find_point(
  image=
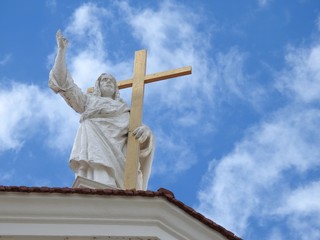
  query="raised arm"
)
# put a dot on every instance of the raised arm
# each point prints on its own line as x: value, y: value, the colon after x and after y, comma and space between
x: 60, y: 67
x: 60, y: 81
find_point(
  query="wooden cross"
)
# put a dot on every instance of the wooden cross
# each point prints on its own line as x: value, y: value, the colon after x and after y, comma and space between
x: 137, y: 83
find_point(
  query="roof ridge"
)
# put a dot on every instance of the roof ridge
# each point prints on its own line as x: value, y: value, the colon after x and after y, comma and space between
x: 161, y: 192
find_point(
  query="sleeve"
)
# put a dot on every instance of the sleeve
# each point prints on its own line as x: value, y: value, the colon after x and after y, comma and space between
x: 146, y: 159
x: 71, y: 93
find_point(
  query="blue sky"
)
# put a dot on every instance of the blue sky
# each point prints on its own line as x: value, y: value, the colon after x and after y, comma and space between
x: 238, y: 140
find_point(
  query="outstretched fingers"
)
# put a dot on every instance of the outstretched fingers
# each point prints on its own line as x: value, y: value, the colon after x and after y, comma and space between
x: 61, y: 41
x: 59, y: 34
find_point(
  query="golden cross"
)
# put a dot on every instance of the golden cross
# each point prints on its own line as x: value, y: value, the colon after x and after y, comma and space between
x: 137, y: 83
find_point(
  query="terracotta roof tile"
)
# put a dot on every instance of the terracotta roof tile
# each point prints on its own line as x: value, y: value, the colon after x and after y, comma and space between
x: 162, y: 192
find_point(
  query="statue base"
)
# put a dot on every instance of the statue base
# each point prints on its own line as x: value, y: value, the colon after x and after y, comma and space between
x: 82, y: 182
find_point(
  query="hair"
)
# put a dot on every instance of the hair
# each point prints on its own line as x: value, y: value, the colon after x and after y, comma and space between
x: 97, y: 91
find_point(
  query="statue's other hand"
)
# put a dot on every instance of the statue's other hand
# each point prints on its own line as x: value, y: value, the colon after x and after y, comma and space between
x: 62, y: 42
x: 142, y: 133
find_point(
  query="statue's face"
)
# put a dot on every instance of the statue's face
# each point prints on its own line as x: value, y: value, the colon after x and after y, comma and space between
x: 107, y: 87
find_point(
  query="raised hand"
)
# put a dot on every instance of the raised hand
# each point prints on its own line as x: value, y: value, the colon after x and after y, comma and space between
x: 142, y: 133
x: 61, y: 41
x: 60, y: 67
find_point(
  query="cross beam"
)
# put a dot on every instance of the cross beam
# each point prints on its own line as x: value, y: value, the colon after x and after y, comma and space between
x: 178, y: 72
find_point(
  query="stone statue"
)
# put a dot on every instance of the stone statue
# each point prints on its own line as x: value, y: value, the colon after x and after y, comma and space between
x: 99, y: 149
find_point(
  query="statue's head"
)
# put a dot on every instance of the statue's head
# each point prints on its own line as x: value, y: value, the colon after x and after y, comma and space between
x: 106, y: 77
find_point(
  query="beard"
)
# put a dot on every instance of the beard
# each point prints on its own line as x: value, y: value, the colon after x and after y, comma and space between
x: 107, y: 91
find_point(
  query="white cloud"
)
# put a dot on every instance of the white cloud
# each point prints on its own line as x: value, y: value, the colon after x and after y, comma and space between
x: 304, y: 200
x: 87, y: 59
x: 88, y: 56
x: 252, y: 174
x: 61, y: 120
x: 15, y: 105
x: 234, y: 82
x: 302, y: 209
x: 172, y: 46
x: 169, y: 145
x: 262, y: 178
x: 26, y: 107
x: 230, y: 67
x: 301, y: 78
x: 171, y: 35
x: 86, y: 21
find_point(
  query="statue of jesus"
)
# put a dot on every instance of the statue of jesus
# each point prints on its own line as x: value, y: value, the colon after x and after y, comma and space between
x: 99, y: 149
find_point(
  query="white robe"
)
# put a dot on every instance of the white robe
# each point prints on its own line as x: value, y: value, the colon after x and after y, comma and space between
x: 101, y: 138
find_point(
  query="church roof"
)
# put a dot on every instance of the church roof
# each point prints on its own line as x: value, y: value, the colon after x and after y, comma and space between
x: 164, y: 193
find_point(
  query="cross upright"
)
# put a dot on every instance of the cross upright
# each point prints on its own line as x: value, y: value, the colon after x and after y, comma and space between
x: 137, y: 83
